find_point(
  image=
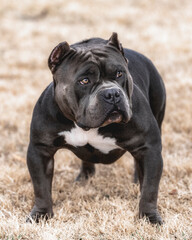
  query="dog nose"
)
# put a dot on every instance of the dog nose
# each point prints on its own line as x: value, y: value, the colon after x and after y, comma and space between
x: 112, y: 95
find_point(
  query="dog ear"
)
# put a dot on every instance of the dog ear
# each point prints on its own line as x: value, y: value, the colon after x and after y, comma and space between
x: 114, y: 41
x: 57, y: 55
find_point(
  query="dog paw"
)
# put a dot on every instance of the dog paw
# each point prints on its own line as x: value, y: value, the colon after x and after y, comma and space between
x: 152, y: 217
x: 85, y: 175
x: 82, y: 177
x: 38, y: 214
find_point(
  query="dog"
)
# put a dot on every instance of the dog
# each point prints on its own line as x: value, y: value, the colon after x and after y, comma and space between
x: 104, y: 100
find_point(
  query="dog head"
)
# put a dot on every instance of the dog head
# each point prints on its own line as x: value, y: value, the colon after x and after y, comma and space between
x: 92, y: 83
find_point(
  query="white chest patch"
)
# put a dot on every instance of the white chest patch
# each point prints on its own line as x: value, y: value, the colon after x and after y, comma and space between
x: 77, y: 137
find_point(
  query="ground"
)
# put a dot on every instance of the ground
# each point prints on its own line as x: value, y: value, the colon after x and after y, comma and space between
x: 106, y: 207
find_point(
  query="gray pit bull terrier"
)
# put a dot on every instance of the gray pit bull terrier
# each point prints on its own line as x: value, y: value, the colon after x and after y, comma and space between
x: 104, y: 100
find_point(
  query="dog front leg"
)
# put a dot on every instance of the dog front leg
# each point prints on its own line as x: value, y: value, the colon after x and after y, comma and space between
x: 150, y: 165
x: 41, y: 165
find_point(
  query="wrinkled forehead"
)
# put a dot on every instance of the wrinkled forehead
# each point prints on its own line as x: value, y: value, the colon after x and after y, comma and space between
x: 91, y: 59
x: 107, y: 53
x: 100, y: 57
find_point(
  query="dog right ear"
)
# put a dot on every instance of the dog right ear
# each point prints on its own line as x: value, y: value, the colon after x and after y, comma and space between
x: 57, y: 55
x: 114, y: 41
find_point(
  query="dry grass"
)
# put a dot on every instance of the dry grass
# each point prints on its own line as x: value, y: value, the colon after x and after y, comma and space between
x: 106, y: 208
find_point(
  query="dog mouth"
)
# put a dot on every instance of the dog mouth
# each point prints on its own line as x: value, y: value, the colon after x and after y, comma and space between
x: 113, y: 117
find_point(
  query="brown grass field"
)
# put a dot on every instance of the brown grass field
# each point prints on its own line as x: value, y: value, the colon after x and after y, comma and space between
x: 106, y: 208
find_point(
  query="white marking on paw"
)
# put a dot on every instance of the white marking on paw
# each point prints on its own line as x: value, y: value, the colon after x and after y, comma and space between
x: 77, y: 137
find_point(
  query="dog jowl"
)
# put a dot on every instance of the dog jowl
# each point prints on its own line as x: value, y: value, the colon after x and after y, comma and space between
x: 104, y: 100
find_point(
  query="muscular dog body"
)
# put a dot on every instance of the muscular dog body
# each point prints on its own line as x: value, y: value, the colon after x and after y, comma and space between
x: 104, y: 101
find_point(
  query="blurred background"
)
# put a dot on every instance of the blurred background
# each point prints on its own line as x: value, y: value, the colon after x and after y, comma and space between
x: 29, y: 30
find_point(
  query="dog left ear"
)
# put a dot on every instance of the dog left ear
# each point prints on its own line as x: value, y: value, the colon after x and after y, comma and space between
x: 114, y: 41
x: 57, y: 55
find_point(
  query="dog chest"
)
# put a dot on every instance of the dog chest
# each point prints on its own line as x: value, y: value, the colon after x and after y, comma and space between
x: 77, y: 137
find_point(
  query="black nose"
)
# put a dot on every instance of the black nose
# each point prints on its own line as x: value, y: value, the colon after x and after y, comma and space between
x: 112, y: 95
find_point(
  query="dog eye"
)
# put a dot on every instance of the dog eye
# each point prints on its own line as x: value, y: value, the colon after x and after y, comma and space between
x: 84, y: 81
x: 119, y: 74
